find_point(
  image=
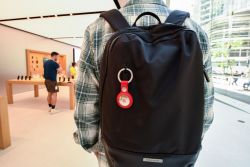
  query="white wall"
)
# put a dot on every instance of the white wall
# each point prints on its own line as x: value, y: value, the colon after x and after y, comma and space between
x: 13, y: 58
x: 168, y: 3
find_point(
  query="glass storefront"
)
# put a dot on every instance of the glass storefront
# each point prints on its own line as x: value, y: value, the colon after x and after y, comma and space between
x: 227, y: 23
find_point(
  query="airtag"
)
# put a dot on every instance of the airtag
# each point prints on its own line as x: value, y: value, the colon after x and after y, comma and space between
x: 124, y: 98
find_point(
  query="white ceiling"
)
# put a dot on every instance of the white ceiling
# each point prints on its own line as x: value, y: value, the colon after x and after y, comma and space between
x: 24, y: 8
x: 55, y: 27
x: 60, y: 28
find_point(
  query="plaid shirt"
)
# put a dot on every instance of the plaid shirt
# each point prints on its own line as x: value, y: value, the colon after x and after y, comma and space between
x: 87, y: 114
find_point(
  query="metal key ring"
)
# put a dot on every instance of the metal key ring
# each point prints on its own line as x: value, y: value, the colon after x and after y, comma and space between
x: 125, y: 69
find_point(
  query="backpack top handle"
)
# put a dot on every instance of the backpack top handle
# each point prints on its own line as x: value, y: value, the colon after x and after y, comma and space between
x: 147, y: 13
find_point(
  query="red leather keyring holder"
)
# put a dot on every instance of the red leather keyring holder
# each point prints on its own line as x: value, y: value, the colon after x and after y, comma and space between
x: 124, y: 99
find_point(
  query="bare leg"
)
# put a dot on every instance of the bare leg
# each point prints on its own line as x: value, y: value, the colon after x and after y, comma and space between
x: 53, y: 99
x: 49, y: 97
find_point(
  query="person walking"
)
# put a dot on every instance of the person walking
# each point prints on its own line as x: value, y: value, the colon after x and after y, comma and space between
x: 88, y: 115
x: 51, y: 69
x: 236, y: 78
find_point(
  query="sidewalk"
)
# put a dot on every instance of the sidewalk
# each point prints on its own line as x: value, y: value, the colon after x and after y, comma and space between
x: 226, y: 144
x: 245, y: 107
x: 233, y: 91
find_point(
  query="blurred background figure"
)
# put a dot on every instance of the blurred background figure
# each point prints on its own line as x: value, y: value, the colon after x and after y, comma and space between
x: 73, y: 70
x: 51, y: 69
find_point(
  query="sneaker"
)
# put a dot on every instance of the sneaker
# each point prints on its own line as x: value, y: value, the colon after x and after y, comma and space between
x: 49, y: 109
x: 54, y: 111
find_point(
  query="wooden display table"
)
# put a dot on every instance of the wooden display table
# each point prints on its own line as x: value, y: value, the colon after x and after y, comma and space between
x: 36, y: 84
x: 4, y: 124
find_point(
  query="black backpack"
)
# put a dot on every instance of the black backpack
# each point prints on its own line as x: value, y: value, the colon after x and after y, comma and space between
x: 151, y: 93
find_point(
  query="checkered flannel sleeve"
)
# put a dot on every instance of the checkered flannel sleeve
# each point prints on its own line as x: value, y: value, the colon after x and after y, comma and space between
x: 209, y: 88
x: 87, y: 116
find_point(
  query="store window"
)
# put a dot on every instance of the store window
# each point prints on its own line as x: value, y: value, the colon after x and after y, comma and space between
x: 227, y: 23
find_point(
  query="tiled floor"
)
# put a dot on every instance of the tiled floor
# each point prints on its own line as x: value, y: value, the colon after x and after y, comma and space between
x: 43, y: 140
x: 40, y: 139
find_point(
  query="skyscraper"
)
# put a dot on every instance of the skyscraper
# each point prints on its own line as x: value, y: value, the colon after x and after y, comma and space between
x: 227, y: 23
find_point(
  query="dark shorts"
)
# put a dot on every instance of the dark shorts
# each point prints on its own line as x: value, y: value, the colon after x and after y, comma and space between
x: 51, y: 86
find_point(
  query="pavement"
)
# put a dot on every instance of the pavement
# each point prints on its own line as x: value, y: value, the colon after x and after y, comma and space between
x: 239, y: 105
x: 227, y: 143
x: 226, y: 88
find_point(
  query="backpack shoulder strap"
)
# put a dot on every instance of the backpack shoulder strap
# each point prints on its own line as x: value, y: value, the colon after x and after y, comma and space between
x: 115, y: 19
x: 177, y: 17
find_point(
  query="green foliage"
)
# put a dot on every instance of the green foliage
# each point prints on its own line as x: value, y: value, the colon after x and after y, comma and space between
x: 222, y: 50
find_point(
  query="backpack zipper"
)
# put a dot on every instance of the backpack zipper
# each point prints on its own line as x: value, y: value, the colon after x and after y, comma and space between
x: 205, y: 74
x: 116, y: 36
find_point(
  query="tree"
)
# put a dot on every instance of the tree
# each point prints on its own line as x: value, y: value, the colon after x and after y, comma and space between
x: 222, y: 50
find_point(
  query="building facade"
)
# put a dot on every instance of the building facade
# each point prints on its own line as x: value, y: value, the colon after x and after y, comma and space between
x: 228, y: 25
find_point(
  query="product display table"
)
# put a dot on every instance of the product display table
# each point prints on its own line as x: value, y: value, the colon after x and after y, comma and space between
x: 36, y: 84
x: 4, y: 124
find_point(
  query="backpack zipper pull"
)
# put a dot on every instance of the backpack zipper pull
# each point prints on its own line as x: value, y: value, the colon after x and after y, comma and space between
x: 205, y: 74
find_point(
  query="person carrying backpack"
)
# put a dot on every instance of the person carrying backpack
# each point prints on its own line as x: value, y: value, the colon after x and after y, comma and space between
x: 144, y: 93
